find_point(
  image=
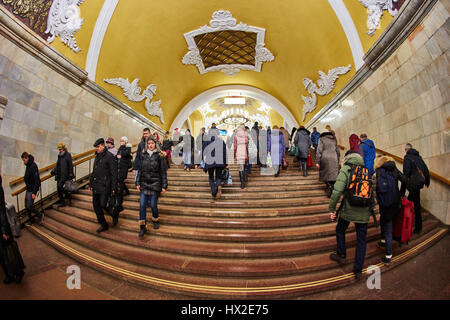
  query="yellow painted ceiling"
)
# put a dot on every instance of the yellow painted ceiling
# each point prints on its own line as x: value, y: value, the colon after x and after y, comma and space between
x: 145, y: 39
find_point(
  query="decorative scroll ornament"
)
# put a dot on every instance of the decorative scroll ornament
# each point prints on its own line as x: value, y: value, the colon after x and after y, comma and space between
x: 375, y: 9
x: 63, y: 21
x: 133, y: 92
x: 222, y: 20
x: 326, y: 85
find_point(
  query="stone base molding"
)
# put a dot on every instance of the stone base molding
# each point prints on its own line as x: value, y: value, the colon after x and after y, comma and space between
x: 3, y: 102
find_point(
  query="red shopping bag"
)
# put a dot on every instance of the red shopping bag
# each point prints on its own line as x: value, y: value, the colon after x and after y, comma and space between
x: 310, y: 161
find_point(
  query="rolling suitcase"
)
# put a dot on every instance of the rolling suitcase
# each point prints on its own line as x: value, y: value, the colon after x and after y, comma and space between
x: 12, y: 220
x: 403, y: 225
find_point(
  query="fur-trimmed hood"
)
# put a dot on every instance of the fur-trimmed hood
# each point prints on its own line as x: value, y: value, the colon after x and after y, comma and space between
x: 383, y: 161
x: 353, y: 158
x: 325, y: 134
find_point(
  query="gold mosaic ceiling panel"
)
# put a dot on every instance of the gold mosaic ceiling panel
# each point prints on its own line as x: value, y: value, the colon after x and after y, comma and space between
x: 227, y: 47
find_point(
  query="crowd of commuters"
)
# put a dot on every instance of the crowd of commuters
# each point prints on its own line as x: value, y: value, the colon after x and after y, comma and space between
x: 265, y: 147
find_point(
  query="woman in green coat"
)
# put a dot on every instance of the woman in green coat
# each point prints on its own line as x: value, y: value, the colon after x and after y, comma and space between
x: 358, y: 215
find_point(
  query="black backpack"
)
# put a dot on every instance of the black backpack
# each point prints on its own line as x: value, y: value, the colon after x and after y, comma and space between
x: 416, y: 180
x: 387, y: 188
x: 360, y: 188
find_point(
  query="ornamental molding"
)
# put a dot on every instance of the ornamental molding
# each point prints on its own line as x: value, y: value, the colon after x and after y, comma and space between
x: 223, y: 20
x: 325, y: 86
x: 64, y: 21
x: 375, y: 9
x: 133, y: 93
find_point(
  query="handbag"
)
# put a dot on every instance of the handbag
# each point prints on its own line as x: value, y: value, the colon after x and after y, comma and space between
x: 310, y: 161
x: 202, y: 164
x: 269, y: 161
x: 285, y: 164
x: 229, y: 181
x: 416, y: 180
x: 294, y: 151
x: 12, y: 258
x: 70, y: 186
x: 225, y: 174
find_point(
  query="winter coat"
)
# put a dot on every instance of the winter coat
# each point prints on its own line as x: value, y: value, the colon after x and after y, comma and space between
x: 367, y: 150
x: 285, y: 137
x: 64, y: 167
x: 152, y: 174
x: 210, y: 154
x: 240, y: 146
x: 303, y: 142
x: 124, y: 163
x: 176, y: 137
x: 104, y: 175
x: 411, y: 157
x: 327, y: 156
x: 198, y: 148
x: 354, y: 143
x: 275, y: 143
x: 137, y: 159
x: 387, y: 164
x: 4, y: 224
x: 349, y: 213
x: 315, y: 136
x: 186, y: 138
x: 31, y: 177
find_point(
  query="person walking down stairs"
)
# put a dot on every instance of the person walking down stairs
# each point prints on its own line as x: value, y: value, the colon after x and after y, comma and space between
x: 327, y: 160
x: 241, y: 153
x: 124, y: 158
x: 33, y: 184
x: 303, y: 142
x: 103, y: 182
x: 63, y: 172
x: 188, y: 149
x: 150, y: 182
x: 215, y: 155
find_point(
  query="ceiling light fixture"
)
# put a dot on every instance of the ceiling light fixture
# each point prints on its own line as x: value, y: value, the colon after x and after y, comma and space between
x: 234, y: 100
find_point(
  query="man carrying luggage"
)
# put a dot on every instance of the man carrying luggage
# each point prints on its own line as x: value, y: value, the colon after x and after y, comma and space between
x: 33, y: 184
x: 417, y: 175
x: 103, y: 182
x: 352, y: 211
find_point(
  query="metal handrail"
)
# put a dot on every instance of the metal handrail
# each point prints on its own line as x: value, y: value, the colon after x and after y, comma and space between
x: 86, y: 156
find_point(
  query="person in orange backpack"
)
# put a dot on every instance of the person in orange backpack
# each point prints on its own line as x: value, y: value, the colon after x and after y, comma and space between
x: 353, y: 209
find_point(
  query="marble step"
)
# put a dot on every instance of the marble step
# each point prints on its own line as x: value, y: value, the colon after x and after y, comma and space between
x: 320, y: 228
x: 126, y: 232
x: 277, y: 287
x: 194, y: 265
x: 209, y: 202
x: 230, y: 196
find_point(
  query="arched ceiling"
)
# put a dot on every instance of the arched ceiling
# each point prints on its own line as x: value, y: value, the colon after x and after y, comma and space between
x: 145, y: 40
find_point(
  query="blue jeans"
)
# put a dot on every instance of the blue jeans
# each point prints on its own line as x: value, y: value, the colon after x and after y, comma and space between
x: 386, y: 234
x: 249, y: 168
x: 187, y: 159
x: 361, y: 242
x: 148, y: 200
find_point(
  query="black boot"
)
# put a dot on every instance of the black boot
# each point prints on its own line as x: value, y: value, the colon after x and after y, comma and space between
x: 305, y: 168
x: 246, y: 175
x: 142, y: 231
x: 242, y: 178
x: 103, y: 227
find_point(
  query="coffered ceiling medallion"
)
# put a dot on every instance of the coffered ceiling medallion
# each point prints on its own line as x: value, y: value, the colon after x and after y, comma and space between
x: 226, y: 46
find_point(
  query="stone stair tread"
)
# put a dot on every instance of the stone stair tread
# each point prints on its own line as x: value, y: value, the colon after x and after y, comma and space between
x: 224, y: 267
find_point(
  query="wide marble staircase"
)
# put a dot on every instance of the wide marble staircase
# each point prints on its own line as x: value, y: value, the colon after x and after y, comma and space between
x: 270, y: 240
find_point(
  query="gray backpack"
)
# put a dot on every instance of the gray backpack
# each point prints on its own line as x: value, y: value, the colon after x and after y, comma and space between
x: 12, y: 219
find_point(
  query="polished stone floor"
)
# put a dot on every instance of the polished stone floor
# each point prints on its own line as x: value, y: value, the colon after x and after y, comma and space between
x: 426, y: 276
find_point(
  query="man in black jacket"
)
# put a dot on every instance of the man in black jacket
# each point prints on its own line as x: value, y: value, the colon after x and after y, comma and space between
x: 412, y: 162
x: 103, y: 182
x: 63, y: 172
x: 141, y: 146
x: 33, y: 184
